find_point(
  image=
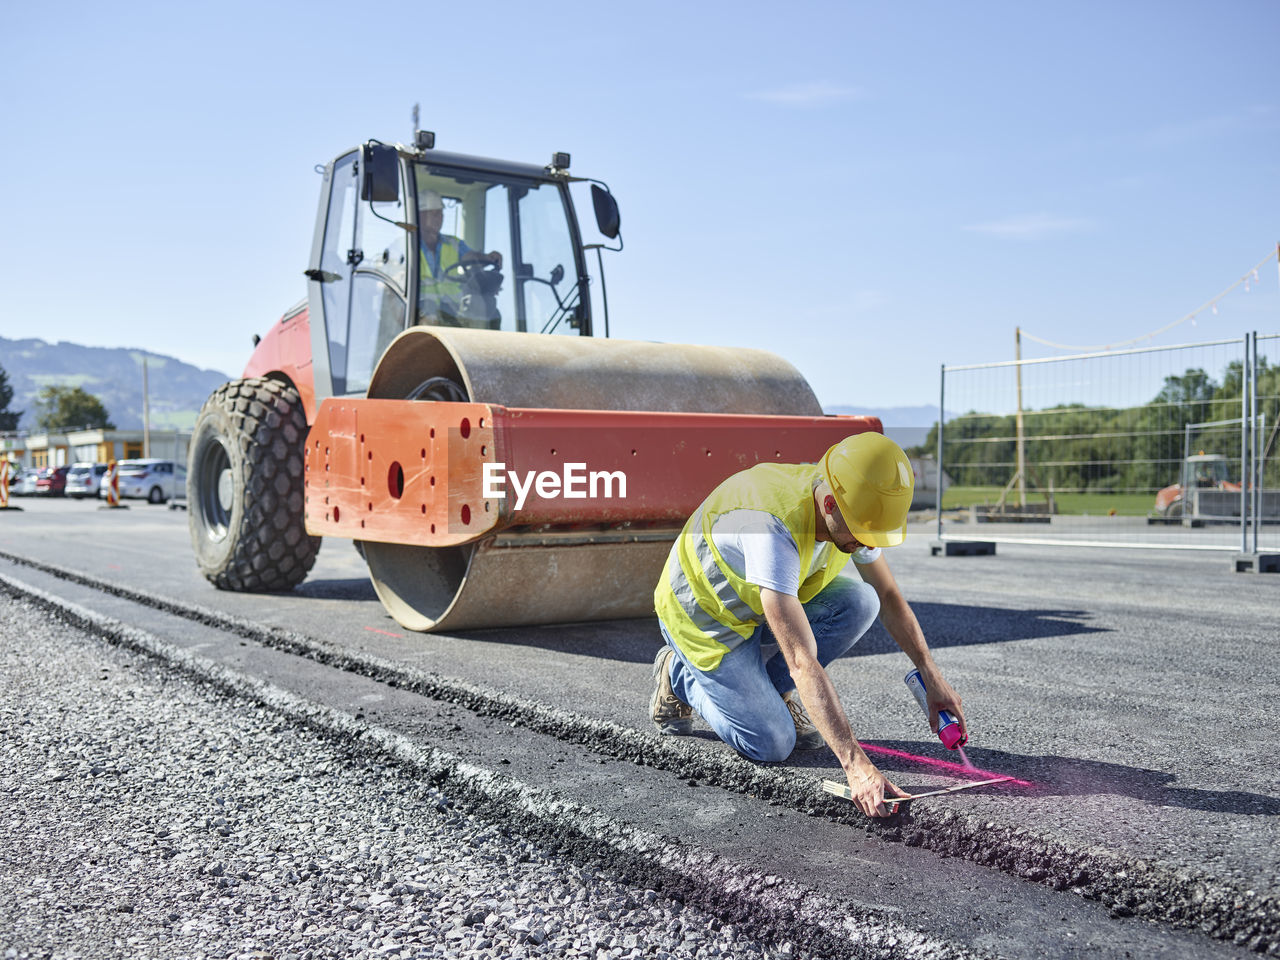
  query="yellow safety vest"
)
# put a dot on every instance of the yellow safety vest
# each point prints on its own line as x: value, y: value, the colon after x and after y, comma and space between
x: 707, y: 608
x: 437, y: 284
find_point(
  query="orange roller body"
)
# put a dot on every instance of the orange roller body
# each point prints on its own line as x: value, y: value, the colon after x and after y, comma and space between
x: 441, y: 474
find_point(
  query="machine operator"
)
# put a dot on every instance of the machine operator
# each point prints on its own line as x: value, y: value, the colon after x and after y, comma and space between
x: 757, y: 564
x: 440, y: 283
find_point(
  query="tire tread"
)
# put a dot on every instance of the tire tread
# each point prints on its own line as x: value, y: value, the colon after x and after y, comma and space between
x: 273, y: 551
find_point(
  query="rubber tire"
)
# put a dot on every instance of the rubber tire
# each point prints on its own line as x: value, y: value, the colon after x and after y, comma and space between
x: 155, y: 495
x: 254, y: 430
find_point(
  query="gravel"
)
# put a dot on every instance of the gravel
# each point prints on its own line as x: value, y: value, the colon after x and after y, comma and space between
x: 144, y: 815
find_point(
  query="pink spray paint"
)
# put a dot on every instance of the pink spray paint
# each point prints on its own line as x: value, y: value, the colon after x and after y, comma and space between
x: 948, y: 726
x: 942, y: 765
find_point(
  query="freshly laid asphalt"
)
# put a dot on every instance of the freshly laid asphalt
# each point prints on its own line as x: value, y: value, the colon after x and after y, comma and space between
x: 1132, y: 689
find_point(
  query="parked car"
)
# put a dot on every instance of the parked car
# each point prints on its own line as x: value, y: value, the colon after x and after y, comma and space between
x: 23, y: 483
x: 52, y: 481
x: 84, y: 479
x: 152, y: 480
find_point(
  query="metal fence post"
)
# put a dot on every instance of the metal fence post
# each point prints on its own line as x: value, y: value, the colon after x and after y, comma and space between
x: 942, y: 399
x: 1255, y: 473
x: 1244, y: 447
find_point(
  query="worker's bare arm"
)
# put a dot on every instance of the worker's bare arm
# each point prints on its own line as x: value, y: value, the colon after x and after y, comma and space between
x: 786, y: 618
x: 901, y: 623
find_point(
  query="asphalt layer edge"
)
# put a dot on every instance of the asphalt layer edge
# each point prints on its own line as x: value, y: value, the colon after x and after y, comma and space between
x: 770, y: 908
x: 1127, y: 886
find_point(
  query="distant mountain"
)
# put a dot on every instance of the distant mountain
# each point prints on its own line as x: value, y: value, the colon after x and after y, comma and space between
x: 924, y: 416
x: 906, y: 426
x: 112, y: 374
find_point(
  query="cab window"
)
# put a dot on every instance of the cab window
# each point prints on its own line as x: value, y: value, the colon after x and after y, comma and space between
x: 495, y: 253
x: 378, y: 301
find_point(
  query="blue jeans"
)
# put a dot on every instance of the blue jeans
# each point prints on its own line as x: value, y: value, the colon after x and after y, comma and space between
x: 741, y: 699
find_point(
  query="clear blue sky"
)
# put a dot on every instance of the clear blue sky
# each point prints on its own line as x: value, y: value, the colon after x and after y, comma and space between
x: 870, y: 190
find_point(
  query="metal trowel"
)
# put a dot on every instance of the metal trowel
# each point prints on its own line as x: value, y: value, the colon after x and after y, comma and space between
x: 842, y: 790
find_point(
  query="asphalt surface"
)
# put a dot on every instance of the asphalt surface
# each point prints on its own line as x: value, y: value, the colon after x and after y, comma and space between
x: 149, y: 816
x: 1129, y: 687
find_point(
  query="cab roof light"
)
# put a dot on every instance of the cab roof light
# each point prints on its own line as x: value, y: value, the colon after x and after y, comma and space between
x: 559, y: 161
x: 422, y: 139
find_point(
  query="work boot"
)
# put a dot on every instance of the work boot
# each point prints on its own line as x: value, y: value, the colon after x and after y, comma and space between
x: 807, y: 735
x: 671, y: 715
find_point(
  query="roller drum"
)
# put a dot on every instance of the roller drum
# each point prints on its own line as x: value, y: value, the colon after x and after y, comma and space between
x: 518, y: 579
x: 571, y: 373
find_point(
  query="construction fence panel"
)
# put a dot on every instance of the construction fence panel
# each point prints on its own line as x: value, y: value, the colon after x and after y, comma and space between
x: 1135, y: 448
x: 1265, y: 409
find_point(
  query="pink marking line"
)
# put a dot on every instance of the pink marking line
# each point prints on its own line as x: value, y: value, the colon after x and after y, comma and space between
x: 951, y: 767
x: 385, y: 633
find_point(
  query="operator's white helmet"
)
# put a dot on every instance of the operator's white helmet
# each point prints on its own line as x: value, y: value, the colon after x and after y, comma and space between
x: 430, y: 200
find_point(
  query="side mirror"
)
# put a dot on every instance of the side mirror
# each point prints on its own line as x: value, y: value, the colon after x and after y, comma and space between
x: 608, y: 220
x: 381, y: 180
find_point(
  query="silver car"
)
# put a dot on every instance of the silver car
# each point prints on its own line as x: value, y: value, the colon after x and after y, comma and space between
x: 84, y: 479
x: 152, y: 480
x: 24, y: 484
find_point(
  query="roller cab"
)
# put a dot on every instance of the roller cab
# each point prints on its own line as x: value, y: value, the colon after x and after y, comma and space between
x: 411, y: 237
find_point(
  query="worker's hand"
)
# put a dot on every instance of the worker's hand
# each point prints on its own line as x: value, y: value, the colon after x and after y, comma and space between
x: 868, y: 788
x: 495, y: 257
x: 940, y: 696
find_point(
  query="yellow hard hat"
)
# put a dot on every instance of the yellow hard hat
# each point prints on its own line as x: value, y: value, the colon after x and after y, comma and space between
x: 871, y: 479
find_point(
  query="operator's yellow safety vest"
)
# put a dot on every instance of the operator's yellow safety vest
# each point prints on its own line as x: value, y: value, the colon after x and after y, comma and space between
x: 437, y: 284
x: 707, y: 608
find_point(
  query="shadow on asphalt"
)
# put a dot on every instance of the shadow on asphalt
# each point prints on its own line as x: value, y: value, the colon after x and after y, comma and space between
x: 962, y: 625
x: 627, y: 641
x: 1065, y: 777
x: 945, y: 625
x: 355, y: 589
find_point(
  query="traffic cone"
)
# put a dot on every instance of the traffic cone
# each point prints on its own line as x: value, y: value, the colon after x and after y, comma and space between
x: 112, y: 480
x: 4, y: 487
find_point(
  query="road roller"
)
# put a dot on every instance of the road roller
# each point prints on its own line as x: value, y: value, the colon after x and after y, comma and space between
x: 439, y: 398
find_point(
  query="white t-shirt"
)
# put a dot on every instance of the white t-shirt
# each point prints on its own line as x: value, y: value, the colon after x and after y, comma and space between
x: 759, y: 548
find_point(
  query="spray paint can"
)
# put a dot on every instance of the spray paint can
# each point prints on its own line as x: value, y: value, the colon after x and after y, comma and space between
x: 948, y: 726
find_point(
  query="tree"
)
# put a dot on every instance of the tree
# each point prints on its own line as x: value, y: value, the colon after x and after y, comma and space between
x: 1159, y: 427
x: 1194, y: 386
x: 70, y: 408
x: 8, y: 418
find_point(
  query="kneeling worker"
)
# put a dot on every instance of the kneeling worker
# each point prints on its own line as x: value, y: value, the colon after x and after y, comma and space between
x: 757, y: 563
